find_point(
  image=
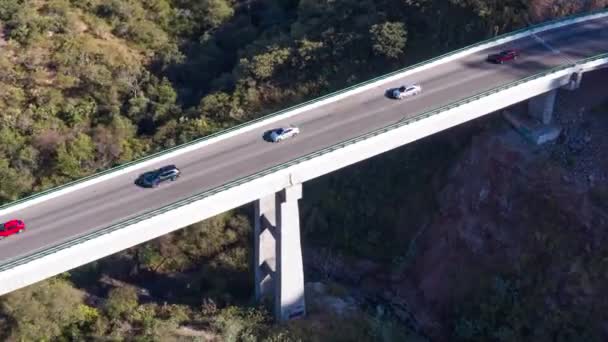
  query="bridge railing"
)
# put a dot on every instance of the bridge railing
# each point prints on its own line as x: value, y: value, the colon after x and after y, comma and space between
x: 283, y: 111
x: 39, y: 254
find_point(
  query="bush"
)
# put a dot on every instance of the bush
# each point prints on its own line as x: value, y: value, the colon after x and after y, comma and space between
x: 240, y: 324
x: 388, y: 39
x: 43, y: 311
x: 121, y: 303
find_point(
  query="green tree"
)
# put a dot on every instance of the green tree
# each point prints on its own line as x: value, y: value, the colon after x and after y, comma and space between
x: 237, y: 324
x: 77, y: 111
x: 14, y: 183
x: 262, y: 66
x: 217, y: 106
x: 25, y: 25
x: 121, y: 302
x: 75, y: 156
x: 8, y: 8
x: 195, y: 128
x: 11, y: 142
x: 163, y: 98
x: 388, y: 39
x: 309, y: 53
x: 43, y: 311
x: 216, y: 12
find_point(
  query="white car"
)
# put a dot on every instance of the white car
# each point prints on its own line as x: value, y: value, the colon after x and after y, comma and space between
x: 283, y: 133
x: 405, y: 91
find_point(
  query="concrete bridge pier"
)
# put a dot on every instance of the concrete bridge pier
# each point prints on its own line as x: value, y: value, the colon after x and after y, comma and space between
x: 541, y: 107
x: 279, y: 272
x: 575, y: 81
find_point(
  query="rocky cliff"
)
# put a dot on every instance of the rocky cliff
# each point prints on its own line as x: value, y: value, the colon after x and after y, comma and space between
x: 516, y: 248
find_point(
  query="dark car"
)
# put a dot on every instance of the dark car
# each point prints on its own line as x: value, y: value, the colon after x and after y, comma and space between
x: 504, y: 56
x: 154, y: 178
x: 11, y: 227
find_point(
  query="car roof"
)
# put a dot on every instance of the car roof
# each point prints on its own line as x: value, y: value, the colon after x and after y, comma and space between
x: 167, y: 168
x: 11, y: 223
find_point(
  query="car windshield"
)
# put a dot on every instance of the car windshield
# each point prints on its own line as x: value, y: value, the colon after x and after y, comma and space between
x: 150, y: 175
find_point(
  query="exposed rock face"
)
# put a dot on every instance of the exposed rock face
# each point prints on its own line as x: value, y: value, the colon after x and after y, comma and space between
x: 513, y: 208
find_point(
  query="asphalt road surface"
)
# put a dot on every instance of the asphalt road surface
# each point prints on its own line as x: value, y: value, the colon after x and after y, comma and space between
x: 115, y: 200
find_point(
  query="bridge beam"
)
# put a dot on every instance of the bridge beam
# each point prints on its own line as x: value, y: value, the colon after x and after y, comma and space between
x: 541, y: 106
x: 279, y: 272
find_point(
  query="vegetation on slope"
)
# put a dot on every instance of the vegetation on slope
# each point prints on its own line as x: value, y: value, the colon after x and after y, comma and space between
x: 91, y: 84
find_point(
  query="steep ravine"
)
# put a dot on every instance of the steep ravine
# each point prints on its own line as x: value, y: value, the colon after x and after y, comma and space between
x: 515, y: 234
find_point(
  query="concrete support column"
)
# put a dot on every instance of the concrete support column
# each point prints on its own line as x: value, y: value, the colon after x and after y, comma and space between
x: 279, y: 270
x: 265, y: 246
x: 541, y: 106
x: 575, y: 81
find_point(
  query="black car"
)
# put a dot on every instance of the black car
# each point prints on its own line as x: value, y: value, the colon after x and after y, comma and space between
x: 154, y: 178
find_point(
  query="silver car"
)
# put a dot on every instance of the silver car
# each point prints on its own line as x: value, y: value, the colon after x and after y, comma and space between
x: 283, y: 133
x: 405, y: 91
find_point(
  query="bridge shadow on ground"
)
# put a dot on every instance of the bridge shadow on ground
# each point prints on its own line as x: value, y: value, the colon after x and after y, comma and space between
x: 211, y: 280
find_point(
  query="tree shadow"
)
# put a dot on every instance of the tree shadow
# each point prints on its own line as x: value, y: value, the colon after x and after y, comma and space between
x: 222, y: 284
x: 5, y: 323
x: 211, y: 55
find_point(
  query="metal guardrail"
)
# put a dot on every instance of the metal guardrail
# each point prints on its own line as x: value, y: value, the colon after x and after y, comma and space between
x: 239, y: 126
x: 23, y: 260
x: 591, y: 59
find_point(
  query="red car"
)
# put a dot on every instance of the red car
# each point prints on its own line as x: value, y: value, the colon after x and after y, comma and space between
x: 11, y: 227
x: 504, y: 56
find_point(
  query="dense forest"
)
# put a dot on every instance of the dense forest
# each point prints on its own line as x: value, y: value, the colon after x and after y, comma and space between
x: 86, y: 85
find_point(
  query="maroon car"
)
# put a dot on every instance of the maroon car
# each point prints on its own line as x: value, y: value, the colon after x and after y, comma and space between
x: 504, y: 56
x: 11, y: 227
